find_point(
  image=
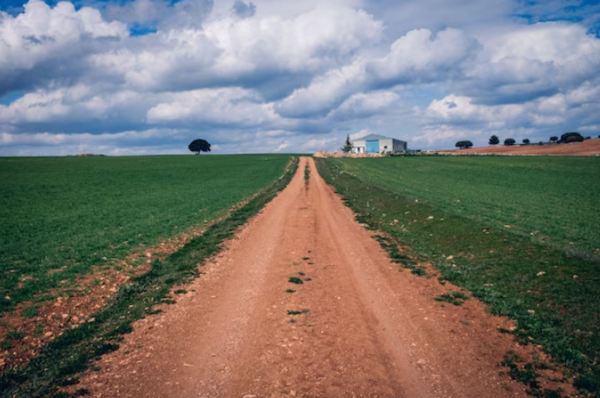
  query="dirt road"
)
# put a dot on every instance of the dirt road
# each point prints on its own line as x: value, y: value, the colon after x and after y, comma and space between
x: 355, y: 327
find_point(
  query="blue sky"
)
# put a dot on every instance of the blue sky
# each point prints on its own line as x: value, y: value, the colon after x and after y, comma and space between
x: 149, y: 76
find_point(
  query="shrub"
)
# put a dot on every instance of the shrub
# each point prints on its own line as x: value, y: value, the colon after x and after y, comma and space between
x: 509, y: 141
x: 553, y: 139
x: 494, y: 140
x: 526, y: 141
x: 464, y: 144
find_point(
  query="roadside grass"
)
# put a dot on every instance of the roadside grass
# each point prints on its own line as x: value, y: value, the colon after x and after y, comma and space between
x: 553, y: 294
x: 59, y: 362
x: 63, y: 216
x: 454, y: 297
x: 551, y: 199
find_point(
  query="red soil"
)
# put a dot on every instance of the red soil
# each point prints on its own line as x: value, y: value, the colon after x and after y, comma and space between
x: 585, y: 148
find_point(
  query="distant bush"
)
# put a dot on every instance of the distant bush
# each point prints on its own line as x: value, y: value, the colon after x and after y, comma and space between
x: 588, y: 138
x: 526, y: 141
x: 571, y: 137
x: 553, y: 139
x: 464, y: 144
x: 494, y: 140
x: 509, y: 141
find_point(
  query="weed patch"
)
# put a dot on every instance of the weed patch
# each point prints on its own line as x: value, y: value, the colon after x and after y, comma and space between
x: 456, y: 298
x: 295, y: 280
x: 294, y: 312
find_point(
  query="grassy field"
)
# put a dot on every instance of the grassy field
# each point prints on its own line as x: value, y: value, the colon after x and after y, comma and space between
x: 551, y: 199
x: 453, y: 212
x: 237, y: 178
x: 61, y: 216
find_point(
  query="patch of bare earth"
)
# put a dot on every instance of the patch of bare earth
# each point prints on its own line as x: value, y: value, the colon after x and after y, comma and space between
x: 303, y: 302
x: 77, y: 302
x: 585, y: 148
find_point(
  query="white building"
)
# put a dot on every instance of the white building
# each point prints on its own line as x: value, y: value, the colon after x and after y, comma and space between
x: 374, y: 143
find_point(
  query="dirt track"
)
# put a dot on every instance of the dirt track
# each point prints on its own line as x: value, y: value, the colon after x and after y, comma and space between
x: 370, y: 330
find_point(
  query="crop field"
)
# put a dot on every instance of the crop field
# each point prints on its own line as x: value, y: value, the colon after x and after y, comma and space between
x: 61, y: 216
x: 551, y: 199
x: 521, y: 234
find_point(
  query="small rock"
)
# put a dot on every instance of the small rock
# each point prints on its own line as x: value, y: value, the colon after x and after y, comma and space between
x: 75, y: 319
x: 292, y: 393
x: 47, y: 334
x: 249, y: 396
x: 540, y: 273
x: 421, y: 362
x: 531, y: 312
x: 449, y: 258
x: 430, y: 218
x: 575, y: 277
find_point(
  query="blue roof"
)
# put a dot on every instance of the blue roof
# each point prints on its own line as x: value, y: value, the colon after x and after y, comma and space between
x: 371, y: 137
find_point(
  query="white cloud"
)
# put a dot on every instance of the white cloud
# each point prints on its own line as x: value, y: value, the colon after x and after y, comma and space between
x: 296, y: 75
x: 44, y: 41
x: 219, y: 106
x: 421, y: 57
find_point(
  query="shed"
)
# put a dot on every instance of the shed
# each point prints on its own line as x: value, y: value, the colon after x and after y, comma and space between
x: 374, y: 143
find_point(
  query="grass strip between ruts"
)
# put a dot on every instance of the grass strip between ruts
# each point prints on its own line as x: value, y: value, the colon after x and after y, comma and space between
x: 554, y: 297
x: 61, y: 360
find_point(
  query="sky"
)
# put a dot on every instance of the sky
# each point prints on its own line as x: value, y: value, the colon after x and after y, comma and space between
x: 137, y: 77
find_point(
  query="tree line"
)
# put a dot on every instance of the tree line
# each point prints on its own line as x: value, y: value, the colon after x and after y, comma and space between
x: 566, y: 138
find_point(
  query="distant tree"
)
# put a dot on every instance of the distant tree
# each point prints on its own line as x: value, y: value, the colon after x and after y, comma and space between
x: 198, y: 146
x: 588, y: 138
x: 509, y: 141
x: 347, y: 148
x: 494, y: 140
x: 464, y: 144
x: 526, y: 141
x: 553, y: 139
x: 571, y: 137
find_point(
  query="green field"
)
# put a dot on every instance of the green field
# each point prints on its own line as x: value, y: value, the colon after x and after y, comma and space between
x: 61, y: 216
x: 551, y: 199
x: 452, y: 212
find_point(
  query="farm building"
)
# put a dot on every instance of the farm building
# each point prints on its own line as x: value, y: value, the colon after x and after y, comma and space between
x: 374, y: 143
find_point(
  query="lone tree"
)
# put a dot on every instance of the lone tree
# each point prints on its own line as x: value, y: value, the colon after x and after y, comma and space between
x: 199, y: 145
x: 571, y: 137
x: 464, y: 144
x: 494, y: 140
x: 509, y: 141
x: 526, y: 141
x: 553, y: 138
x: 347, y: 148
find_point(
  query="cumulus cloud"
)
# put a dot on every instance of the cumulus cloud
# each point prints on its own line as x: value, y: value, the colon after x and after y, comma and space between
x: 234, y: 106
x: 532, y: 61
x: 44, y: 44
x: 294, y: 75
x: 422, y: 57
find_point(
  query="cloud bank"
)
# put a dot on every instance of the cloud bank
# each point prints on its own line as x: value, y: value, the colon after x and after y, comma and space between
x: 149, y: 76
